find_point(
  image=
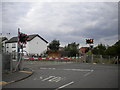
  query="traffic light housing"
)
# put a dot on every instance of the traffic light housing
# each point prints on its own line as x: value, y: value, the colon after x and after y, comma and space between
x: 23, y: 38
x: 89, y: 41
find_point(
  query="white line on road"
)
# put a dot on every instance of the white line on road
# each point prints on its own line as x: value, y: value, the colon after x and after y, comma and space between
x: 82, y: 70
x: 59, y: 79
x: 55, y: 79
x: 43, y: 68
x: 14, y: 60
x: 88, y: 73
x: 48, y: 68
x: 35, y: 79
x: 41, y: 77
x: 79, y: 70
x: 64, y: 85
x: 48, y: 78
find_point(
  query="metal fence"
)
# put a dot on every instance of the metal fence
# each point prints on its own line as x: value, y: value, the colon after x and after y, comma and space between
x: 104, y: 59
x: 9, y: 61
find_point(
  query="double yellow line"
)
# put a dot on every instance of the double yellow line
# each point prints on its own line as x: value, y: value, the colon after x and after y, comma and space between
x: 3, y: 82
x: 25, y: 72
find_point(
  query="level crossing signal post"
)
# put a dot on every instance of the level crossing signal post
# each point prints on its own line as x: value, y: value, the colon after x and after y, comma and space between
x: 22, y: 39
x: 90, y: 42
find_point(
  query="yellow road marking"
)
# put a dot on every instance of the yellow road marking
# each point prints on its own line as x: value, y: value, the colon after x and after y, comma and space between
x: 3, y: 82
x: 25, y: 71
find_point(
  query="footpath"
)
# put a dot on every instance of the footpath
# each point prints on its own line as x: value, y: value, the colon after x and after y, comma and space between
x: 9, y: 78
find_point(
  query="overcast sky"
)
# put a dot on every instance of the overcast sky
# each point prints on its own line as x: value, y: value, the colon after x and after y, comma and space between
x: 68, y: 21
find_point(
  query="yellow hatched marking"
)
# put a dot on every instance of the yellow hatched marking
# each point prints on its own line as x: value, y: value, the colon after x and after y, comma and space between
x: 25, y: 71
x: 3, y: 82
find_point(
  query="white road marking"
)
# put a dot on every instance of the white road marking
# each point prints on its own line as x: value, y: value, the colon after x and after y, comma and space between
x: 43, y: 68
x: 88, y: 73
x: 82, y: 70
x: 14, y: 60
x: 55, y: 79
x: 64, y: 85
x: 59, y: 79
x: 48, y: 78
x: 49, y: 68
x: 41, y: 77
x: 88, y: 70
x: 35, y: 79
x: 38, y: 78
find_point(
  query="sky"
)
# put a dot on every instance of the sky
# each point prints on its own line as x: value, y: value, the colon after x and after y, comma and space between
x: 64, y: 21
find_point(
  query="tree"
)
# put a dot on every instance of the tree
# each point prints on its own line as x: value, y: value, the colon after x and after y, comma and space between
x: 99, y: 50
x: 95, y: 51
x: 114, y: 50
x: 54, y: 45
x: 0, y: 44
x: 117, y: 48
x: 72, y: 48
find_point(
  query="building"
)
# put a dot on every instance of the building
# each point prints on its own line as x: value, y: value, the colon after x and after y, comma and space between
x: 83, y: 50
x: 61, y: 48
x: 3, y: 40
x: 35, y: 45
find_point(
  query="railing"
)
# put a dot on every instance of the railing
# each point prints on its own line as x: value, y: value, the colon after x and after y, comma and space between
x: 100, y: 59
x: 104, y: 59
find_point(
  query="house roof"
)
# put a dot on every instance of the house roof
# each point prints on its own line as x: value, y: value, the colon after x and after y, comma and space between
x: 14, y: 39
x: 83, y: 48
x: 3, y: 38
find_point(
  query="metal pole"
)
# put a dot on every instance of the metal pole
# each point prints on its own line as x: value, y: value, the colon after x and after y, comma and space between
x: 117, y: 60
x: 21, y: 58
x: 18, y: 50
x: 92, y: 58
x: 18, y: 46
x: 101, y: 59
x: 109, y: 59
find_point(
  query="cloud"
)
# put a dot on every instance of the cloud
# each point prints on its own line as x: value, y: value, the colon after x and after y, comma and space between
x: 67, y: 22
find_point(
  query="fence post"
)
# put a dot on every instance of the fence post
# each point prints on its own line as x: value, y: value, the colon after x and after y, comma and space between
x: 92, y: 58
x: 117, y: 60
x: 84, y: 58
x: 101, y: 58
x: 109, y: 59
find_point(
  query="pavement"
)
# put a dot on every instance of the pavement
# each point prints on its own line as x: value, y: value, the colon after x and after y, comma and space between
x: 15, y: 76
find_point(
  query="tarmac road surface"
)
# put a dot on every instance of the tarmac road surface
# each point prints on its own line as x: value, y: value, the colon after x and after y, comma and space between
x: 69, y: 75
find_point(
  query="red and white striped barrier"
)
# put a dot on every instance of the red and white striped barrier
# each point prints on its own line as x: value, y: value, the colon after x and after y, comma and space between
x: 52, y: 58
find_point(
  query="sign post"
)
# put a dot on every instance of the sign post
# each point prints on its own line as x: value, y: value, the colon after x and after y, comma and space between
x: 22, y: 38
x: 90, y: 41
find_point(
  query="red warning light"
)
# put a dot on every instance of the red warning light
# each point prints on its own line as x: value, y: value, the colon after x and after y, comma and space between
x: 89, y: 41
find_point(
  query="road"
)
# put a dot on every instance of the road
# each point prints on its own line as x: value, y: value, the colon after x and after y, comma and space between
x: 57, y: 76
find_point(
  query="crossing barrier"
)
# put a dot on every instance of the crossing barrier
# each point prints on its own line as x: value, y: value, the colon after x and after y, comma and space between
x: 66, y: 58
